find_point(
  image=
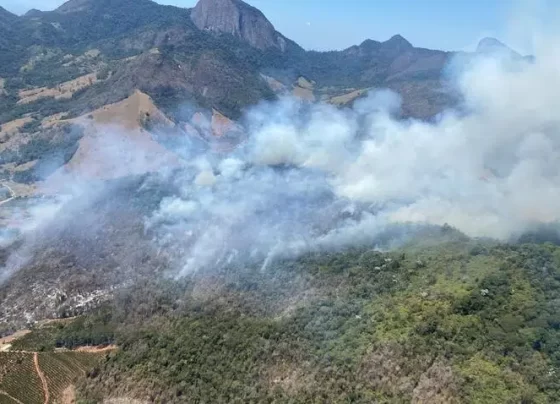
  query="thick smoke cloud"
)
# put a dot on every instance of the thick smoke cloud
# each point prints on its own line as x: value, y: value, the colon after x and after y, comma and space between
x: 314, y: 177
x: 34, y: 217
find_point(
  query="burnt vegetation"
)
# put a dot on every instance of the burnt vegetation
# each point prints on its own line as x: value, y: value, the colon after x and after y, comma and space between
x: 458, y: 321
x: 443, y: 319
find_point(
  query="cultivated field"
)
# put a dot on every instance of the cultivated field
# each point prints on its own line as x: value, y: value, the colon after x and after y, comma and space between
x: 42, y: 377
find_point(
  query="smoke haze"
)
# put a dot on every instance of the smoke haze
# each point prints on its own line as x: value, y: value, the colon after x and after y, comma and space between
x: 315, y: 177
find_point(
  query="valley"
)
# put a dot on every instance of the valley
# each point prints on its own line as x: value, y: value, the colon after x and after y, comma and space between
x: 434, y: 321
x: 195, y: 209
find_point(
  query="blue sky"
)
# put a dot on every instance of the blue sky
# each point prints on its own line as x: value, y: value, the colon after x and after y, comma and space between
x: 337, y: 24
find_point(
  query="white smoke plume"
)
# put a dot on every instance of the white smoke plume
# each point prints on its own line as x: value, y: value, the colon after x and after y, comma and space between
x: 312, y: 176
x: 33, y: 218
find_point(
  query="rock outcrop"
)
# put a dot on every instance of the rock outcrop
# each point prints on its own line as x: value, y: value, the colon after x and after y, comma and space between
x: 239, y: 19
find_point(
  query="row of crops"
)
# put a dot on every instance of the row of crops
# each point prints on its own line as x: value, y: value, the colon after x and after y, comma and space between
x: 65, y: 368
x: 19, y: 378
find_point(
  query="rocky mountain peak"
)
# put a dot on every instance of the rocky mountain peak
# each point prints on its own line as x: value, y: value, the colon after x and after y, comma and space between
x: 394, y: 46
x: 239, y: 19
x: 492, y: 45
x: 489, y: 44
x: 398, y: 41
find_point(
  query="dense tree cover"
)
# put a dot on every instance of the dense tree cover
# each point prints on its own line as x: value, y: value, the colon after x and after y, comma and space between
x: 50, y: 150
x: 210, y: 69
x: 10, y: 110
x: 50, y: 73
x: 82, y: 331
x: 459, y: 321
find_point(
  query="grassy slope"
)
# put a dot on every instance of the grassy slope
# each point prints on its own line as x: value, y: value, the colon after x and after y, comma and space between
x: 455, y: 322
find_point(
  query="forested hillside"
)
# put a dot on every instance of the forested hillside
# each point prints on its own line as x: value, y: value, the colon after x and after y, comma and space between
x: 168, y: 53
x: 445, y: 319
x: 195, y: 209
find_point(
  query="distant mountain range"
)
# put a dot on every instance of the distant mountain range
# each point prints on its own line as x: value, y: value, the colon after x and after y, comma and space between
x: 223, y: 54
x: 103, y: 99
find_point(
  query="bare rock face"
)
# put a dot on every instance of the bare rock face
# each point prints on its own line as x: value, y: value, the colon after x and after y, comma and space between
x: 239, y: 19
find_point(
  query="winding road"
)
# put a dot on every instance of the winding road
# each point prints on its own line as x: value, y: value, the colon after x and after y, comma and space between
x: 42, y: 377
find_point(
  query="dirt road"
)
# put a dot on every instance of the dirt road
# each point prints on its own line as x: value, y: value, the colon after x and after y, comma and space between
x: 42, y: 377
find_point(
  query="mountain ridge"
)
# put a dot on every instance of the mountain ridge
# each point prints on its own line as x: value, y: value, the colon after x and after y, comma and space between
x: 214, y: 55
x: 5, y: 14
x: 138, y: 215
x: 490, y: 45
